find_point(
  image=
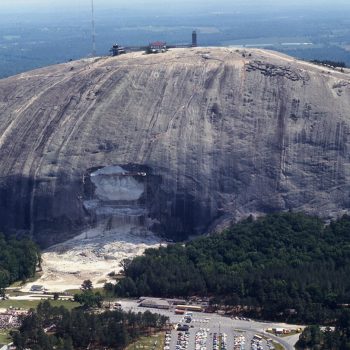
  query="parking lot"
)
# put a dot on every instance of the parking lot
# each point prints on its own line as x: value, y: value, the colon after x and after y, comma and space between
x: 204, y: 331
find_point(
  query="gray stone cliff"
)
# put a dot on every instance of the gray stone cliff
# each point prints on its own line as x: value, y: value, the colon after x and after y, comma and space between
x: 187, y: 139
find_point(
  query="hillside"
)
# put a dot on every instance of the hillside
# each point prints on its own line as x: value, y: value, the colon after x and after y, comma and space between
x: 175, y: 143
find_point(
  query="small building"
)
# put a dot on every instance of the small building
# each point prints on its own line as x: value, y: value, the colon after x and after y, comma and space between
x: 157, y: 46
x: 155, y: 304
x: 195, y: 308
x: 278, y: 330
x: 37, y: 288
x: 177, y: 301
x: 117, y: 50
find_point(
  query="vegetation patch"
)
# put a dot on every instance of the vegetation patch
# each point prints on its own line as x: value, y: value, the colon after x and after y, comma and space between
x: 19, y: 259
x: 4, y: 337
x: 284, y: 335
x: 154, y: 342
x: 288, y: 267
x: 32, y: 304
x: 278, y: 346
x: 49, y: 327
x: 19, y: 284
x: 239, y: 331
x: 317, y: 338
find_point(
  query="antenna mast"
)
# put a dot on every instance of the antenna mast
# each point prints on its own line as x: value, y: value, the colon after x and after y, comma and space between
x: 93, y: 33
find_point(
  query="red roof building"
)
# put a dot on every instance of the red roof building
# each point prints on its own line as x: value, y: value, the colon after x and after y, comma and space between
x: 158, y: 45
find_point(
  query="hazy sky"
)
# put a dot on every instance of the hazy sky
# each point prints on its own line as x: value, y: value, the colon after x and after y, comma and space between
x: 46, y: 10
x: 42, y: 5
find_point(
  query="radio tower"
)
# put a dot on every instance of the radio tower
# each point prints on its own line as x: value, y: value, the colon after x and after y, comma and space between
x: 93, y: 33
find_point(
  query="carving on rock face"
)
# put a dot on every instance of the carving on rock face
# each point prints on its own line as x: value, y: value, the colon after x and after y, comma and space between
x: 116, y: 184
x: 116, y: 198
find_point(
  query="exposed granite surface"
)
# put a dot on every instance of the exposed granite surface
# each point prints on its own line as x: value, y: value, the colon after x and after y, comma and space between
x: 223, y: 135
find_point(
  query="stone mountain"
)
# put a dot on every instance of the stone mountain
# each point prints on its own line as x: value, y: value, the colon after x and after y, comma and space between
x: 176, y: 142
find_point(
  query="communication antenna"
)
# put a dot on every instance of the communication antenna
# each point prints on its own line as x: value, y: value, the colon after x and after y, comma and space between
x: 93, y: 33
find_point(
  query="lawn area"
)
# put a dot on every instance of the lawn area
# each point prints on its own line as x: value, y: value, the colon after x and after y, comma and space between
x: 4, y: 337
x: 16, y: 292
x: 278, y: 346
x: 73, y: 291
x: 292, y: 332
x: 28, y: 304
x: 153, y: 342
x: 107, y: 296
x: 79, y: 291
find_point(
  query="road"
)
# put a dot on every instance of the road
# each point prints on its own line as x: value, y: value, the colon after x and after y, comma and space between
x: 214, y: 323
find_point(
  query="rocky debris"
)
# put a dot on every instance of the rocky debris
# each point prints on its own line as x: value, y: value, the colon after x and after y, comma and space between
x: 272, y: 70
x: 91, y: 255
x: 339, y: 86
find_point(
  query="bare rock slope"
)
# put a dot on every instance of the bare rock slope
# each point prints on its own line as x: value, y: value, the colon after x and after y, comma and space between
x: 172, y: 142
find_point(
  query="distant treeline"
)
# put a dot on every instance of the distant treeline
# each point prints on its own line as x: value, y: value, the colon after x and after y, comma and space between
x: 315, y: 338
x: 50, y: 328
x: 18, y: 260
x: 283, y: 266
x: 334, y: 64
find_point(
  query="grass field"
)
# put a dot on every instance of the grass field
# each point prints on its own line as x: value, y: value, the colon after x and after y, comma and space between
x: 293, y: 332
x: 278, y: 346
x: 28, y: 304
x: 16, y: 293
x: 106, y: 296
x: 153, y: 342
x: 4, y: 336
x: 79, y: 291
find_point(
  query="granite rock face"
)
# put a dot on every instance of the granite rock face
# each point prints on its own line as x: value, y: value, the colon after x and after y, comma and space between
x: 191, y: 137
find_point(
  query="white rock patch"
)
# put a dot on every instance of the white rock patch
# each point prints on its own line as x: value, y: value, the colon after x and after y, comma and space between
x: 111, y: 185
x: 92, y: 255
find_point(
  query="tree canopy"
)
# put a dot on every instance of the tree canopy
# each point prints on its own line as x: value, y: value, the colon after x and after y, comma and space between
x: 48, y: 328
x: 284, y: 266
x: 18, y: 259
x: 315, y: 338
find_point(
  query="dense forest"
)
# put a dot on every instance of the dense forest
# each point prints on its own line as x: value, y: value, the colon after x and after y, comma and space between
x: 49, y: 327
x: 18, y: 260
x: 286, y: 266
x: 315, y: 338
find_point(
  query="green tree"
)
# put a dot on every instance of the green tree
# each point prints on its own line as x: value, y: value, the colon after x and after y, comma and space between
x: 67, y: 344
x: 81, y: 329
x: 89, y: 299
x: 86, y: 285
x: 311, y: 337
